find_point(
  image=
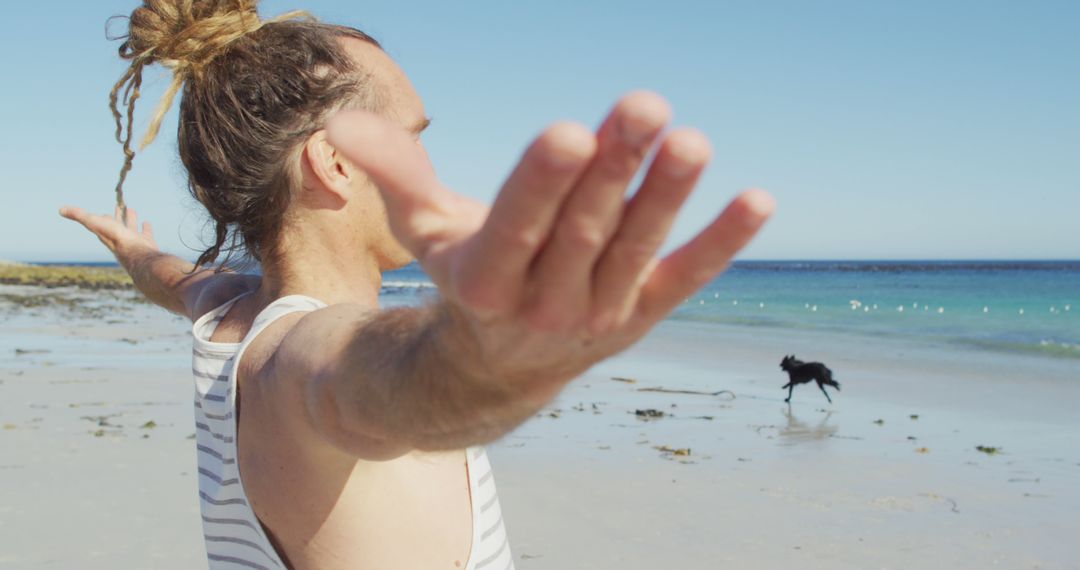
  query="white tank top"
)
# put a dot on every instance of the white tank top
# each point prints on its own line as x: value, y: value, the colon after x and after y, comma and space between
x: 233, y: 535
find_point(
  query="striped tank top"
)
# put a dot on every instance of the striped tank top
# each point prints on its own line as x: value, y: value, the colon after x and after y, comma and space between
x: 233, y: 535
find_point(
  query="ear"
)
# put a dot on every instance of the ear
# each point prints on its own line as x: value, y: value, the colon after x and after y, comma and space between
x: 325, y: 168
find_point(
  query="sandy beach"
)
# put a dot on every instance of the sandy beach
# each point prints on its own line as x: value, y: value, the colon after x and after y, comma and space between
x: 97, y: 461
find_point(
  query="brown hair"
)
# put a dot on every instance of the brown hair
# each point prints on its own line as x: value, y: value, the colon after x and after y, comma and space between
x: 253, y: 92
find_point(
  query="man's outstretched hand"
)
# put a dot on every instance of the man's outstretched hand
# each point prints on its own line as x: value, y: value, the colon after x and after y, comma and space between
x: 561, y: 271
x: 118, y: 232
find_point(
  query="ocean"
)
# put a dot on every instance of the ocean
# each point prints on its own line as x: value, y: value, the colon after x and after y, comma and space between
x: 1014, y: 306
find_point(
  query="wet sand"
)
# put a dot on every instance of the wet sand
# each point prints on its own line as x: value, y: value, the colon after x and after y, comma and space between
x: 96, y: 469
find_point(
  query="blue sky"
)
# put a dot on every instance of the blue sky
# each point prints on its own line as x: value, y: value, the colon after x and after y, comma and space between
x: 917, y: 129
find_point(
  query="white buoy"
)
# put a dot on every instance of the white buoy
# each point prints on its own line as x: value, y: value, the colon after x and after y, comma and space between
x: 900, y: 308
x: 940, y: 310
x: 1021, y: 311
x: 866, y: 309
x: 813, y: 309
x: 875, y: 306
x: 806, y: 306
x: 1068, y: 307
x: 761, y: 305
x: 986, y: 309
x: 914, y: 305
x: 735, y: 302
x: 701, y: 302
x: 716, y: 295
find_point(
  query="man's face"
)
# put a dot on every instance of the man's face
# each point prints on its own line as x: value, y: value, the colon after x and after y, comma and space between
x: 399, y: 102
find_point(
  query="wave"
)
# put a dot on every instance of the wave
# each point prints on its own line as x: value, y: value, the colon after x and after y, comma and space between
x: 1041, y: 346
x: 906, y: 266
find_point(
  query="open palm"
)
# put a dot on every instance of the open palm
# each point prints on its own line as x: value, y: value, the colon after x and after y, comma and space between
x: 563, y: 267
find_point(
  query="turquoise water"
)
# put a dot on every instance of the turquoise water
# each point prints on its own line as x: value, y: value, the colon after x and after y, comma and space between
x: 1020, y: 306
x: 1026, y: 306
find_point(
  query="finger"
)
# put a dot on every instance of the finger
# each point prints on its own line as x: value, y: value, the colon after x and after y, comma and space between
x: 98, y: 225
x: 696, y: 263
x: 131, y: 219
x: 148, y: 230
x: 645, y: 225
x: 418, y: 205
x: 494, y: 270
x: 591, y: 212
x: 72, y: 213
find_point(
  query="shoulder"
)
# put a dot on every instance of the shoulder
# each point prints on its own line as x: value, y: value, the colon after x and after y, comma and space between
x: 218, y: 290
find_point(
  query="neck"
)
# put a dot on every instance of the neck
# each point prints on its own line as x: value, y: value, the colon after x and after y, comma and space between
x: 325, y: 275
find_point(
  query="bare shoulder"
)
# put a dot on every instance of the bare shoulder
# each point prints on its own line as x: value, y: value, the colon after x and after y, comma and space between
x: 330, y: 329
x: 219, y: 289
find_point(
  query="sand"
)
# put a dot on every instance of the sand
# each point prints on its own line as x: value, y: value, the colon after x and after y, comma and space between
x: 96, y: 469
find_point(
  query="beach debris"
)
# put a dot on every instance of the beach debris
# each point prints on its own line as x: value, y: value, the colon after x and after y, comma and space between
x: 879, y: 422
x: 102, y: 421
x: 692, y: 392
x: 580, y: 407
x: 855, y: 304
x: 922, y: 450
x: 743, y: 459
x: 554, y: 414
x: 1024, y: 480
x: 709, y: 418
x: 98, y: 433
x: 649, y: 413
x: 129, y: 340
x: 676, y: 451
x: 149, y: 425
x: 914, y: 416
x: 622, y: 379
x: 604, y: 447
x: 22, y: 351
x: 911, y: 438
x: 988, y: 449
x: 531, y: 556
x: 10, y: 426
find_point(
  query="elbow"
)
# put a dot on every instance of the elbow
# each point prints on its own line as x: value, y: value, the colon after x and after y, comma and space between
x: 341, y: 424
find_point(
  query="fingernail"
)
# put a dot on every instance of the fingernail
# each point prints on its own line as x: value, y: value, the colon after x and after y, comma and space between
x: 635, y: 131
x: 687, y: 152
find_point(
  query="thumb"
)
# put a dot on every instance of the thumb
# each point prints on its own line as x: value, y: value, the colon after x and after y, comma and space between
x: 73, y: 213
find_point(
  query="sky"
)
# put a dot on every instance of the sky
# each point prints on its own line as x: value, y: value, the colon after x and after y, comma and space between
x: 885, y: 130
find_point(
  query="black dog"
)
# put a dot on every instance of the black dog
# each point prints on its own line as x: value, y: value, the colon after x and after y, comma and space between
x: 800, y: 372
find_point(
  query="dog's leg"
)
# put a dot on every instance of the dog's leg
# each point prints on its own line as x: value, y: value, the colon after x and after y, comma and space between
x: 822, y: 386
x: 790, y: 388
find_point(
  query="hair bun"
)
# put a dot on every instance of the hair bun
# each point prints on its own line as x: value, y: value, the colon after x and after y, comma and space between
x: 187, y: 33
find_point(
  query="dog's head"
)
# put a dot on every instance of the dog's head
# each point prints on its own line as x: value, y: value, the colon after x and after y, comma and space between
x: 786, y: 363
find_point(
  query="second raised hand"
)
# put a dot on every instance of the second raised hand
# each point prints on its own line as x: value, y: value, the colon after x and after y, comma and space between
x: 561, y: 267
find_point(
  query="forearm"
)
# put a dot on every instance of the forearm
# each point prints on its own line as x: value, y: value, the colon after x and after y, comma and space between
x: 159, y: 276
x: 415, y: 379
